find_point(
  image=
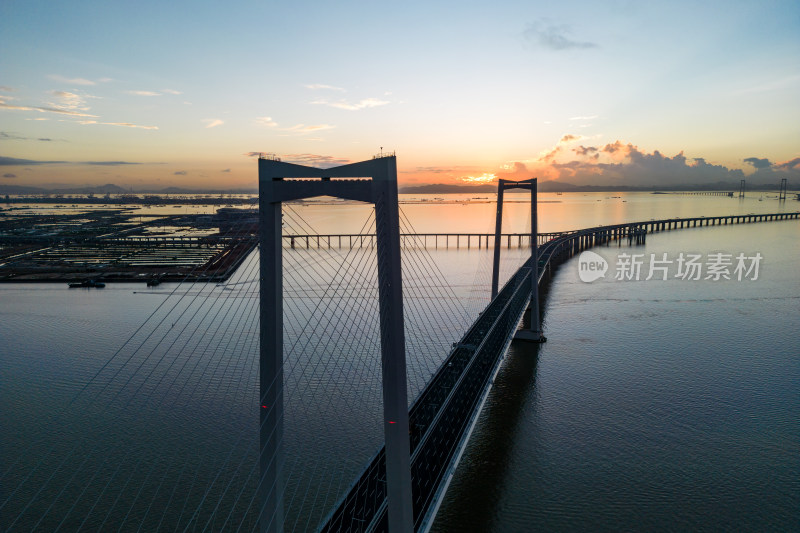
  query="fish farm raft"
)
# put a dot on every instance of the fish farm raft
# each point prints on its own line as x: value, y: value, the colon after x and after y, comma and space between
x: 122, y: 244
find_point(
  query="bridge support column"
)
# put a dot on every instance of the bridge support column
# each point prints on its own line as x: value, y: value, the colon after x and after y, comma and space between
x: 271, y: 483
x: 497, y: 228
x: 393, y: 356
x: 534, y: 334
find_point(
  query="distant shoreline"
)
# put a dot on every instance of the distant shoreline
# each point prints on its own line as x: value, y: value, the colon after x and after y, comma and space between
x: 437, y: 188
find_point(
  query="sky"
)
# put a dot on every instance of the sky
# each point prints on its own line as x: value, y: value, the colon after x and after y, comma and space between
x: 148, y: 95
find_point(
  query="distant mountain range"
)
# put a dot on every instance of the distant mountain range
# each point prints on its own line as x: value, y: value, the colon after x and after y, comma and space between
x: 439, y: 188
x: 110, y: 188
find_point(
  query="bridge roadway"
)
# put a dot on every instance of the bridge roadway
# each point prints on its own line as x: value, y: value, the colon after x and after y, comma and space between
x: 442, y: 417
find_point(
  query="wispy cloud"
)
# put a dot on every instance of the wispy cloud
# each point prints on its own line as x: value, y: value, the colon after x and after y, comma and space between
x: 361, y: 104
x: 7, y: 89
x: 108, y: 163
x: 554, y: 36
x: 213, y: 122
x: 171, y: 91
x: 314, y: 160
x: 266, y: 121
x: 123, y: 124
x: 13, y: 161
x: 144, y: 93
x: 68, y: 101
x: 73, y: 81
x: 44, y: 109
x: 179, y: 173
x: 225, y: 170
x: 9, y: 175
x: 302, y: 129
x: 591, y: 117
x: 130, y: 125
x: 5, y: 136
x: 317, y: 86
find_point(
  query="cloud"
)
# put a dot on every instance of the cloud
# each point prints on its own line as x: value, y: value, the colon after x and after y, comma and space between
x: 314, y: 160
x: 122, y: 124
x: 554, y: 36
x: 570, y: 138
x: 225, y: 170
x: 266, y: 121
x: 592, y: 117
x: 585, y: 150
x: 302, y: 129
x: 316, y: 86
x: 361, y: 104
x: 130, y: 125
x: 9, y: 175
x: 486, y: 177
x: 620, y: 163
x: 45, y: 109
x: 624, y: 164
x: 179, y: 173
x: 73, y: 81
x: 171, y: 91
x: 13, y: 161
x: 108, y: 163
x: 7, y: 89
x: 144, y: 93
x: 67, y: 101
x: 213, y: 122
x: 793, y: 164
x: 758, y: 163
x: 4, y: 136
x: 434, y: 170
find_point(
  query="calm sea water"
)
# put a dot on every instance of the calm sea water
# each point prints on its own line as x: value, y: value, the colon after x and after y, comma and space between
x: 655, y: 404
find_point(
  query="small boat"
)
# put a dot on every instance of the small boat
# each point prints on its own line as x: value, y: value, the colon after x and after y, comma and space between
x: 88, y: 283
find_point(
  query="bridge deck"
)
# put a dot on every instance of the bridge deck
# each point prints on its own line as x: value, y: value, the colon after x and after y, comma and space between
x: 441, y: 417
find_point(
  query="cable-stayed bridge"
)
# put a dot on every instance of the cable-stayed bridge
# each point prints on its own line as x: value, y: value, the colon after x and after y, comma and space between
x: 132, y: 458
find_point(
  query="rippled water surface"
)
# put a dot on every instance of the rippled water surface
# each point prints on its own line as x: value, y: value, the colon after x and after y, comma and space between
x: 655, y: 405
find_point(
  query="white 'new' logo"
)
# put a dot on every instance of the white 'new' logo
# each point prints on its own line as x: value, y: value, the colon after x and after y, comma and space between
x: 591, y: 266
